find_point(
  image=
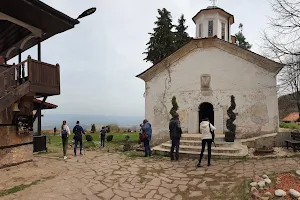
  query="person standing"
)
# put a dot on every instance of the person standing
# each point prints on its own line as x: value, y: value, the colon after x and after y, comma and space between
x: 206, y: 128
x: 65, y: 132
x: 146, y: 127
x: 54, y: 130
x: 78, y: 131
x: 103, y: 132
x: 175, y: 135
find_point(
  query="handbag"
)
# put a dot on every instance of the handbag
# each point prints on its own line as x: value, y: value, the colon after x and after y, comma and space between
x: 143, y: 136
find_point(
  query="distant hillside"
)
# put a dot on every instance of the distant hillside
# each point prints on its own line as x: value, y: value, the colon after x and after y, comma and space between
x: 49, y: 121
x: 286, y: 105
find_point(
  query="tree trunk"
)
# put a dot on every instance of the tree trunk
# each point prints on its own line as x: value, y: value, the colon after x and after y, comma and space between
x: 298, y: 105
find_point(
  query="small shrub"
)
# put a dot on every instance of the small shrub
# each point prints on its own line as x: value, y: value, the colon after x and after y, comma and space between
x: 127, y: 147
x: 175, y: 107
x: 109, y: 138
x: 89, y: 138
x: 127, y: 137
x: 93, y: 128
x: 289, y: 125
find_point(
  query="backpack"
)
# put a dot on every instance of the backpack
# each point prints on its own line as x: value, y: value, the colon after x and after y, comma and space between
x: 77, y: 132
x: 103, y: 132
x: 64, y: 132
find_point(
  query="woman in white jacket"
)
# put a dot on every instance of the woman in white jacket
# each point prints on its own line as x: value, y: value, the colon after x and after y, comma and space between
x: 65, y: 132
x: 205, y: 128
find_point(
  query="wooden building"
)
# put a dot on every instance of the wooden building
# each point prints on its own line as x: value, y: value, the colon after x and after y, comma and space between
x: 24, y: 24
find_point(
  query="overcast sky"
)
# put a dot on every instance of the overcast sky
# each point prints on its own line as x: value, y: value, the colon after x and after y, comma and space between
x: 101, y: 56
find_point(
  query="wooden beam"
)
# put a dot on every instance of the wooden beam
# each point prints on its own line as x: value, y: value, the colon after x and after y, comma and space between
x: 39, y: 50
x: 39, y: 109
x: 19, y: 68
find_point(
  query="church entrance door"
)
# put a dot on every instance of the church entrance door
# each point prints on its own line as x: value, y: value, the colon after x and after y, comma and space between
x: 206, y: 110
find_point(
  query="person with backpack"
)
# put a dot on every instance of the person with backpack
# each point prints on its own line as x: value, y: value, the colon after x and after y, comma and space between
x: 207, y: 131
x: 103, y: 132
x: 78, y: 131
x: 147, y: 132
x: 65, y: 132
x: 175, y: 135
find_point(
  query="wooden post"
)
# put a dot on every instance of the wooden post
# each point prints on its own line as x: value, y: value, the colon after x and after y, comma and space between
x: 39, y: 50
x: 29, y: 70
x: 5, y: 60
x: 58, y: 76
x: 39, y: 122
x: 19, y: 68
x: 38, y: 114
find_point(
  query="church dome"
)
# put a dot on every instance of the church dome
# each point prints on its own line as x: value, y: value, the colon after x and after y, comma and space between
x: 213, y: 22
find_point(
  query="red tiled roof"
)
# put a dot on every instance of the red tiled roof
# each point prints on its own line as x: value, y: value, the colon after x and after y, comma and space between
x: 45, y: 104
x: 292, y: 117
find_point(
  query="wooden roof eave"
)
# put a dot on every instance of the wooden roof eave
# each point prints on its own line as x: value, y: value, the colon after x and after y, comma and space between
x: 55, y: 21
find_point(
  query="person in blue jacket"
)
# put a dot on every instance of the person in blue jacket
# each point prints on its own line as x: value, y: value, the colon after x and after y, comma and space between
x: 78, y: 131
x: 146, y: 127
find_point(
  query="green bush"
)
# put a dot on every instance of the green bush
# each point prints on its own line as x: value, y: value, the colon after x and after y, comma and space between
x: 109, y: 138
x: 127, y: 137
x: 89, y: 138
x: 289, y: 125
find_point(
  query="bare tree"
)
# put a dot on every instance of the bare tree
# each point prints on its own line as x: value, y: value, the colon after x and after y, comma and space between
x: 282, y: 43
x: 289, y: 79
x: 285, y: 27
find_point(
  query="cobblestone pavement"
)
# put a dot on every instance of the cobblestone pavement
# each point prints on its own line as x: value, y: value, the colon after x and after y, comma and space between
x: 105, y: 176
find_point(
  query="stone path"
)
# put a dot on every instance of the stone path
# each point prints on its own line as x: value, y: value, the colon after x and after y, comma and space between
x: 99, y: 175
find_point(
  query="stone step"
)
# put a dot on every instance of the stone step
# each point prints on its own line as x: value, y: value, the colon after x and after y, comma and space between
x: 198, y: 137
x: 229, y: 150
x: 198, y: 143
x: 192, y: 154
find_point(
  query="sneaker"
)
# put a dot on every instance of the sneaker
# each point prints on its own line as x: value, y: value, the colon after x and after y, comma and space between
x: 65, y: 157
x: 199, y: 165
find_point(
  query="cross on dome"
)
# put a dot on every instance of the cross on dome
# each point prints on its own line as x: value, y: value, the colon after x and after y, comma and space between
x: 213, y: 2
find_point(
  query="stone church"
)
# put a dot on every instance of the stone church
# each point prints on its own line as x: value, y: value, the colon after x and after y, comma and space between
x: 204, y: 74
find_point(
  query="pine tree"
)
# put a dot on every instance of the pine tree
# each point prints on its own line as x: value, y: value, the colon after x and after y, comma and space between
x: 93, y: 128
x: 181, y: 36
x: 241, y: 39
x: 161, y: 40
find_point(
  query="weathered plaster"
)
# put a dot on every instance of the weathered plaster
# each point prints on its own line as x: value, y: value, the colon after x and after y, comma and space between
x: 253, y: 87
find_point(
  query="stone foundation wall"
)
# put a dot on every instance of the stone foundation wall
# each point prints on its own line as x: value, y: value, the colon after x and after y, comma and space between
x: 15, y: 148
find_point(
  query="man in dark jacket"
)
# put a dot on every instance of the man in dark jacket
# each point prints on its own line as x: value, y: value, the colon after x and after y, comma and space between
x: 175, y: 135
x: 78, y: 131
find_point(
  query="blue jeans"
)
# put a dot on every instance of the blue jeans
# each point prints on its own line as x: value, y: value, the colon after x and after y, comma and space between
x: 147, y: 148
x: 175, y: 145
x: 76, y: 143
x: 102, y: 139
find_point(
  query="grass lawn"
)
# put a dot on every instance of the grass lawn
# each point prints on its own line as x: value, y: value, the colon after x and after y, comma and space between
x: 54, y: 143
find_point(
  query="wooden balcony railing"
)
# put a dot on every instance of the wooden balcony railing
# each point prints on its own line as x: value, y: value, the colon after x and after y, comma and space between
x: 8, y: 80
x: 44, y: 78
